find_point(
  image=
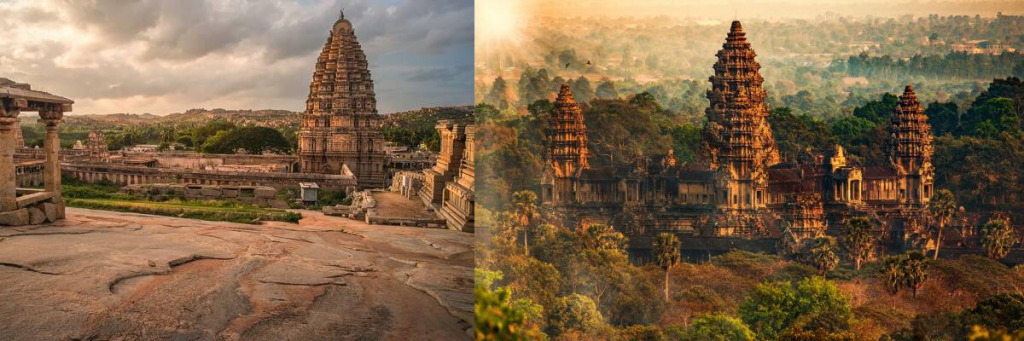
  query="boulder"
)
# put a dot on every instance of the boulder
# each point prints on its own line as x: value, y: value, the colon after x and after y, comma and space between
x: 36, y: 216
x: 51, y: 211
x: 14, y: 218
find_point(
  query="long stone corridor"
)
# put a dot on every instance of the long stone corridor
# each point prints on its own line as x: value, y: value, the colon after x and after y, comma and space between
x: 101, y: 275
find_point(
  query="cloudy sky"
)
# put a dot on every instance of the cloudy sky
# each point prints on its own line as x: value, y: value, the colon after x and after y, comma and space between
x: 165, y: 56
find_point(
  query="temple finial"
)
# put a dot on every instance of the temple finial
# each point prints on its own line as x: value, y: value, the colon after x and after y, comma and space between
x: 341, y: 14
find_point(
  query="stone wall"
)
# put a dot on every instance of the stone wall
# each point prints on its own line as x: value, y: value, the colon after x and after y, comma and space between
x: 129, y: 175
x: 407, y: 183
x: 262, y: 196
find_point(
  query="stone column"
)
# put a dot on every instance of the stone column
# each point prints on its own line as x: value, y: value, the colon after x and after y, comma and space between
x: 8, y: 184
x: 51, y: 144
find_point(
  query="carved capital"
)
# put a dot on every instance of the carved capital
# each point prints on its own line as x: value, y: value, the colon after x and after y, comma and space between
x: 8, y: 123
x: 51, y: 117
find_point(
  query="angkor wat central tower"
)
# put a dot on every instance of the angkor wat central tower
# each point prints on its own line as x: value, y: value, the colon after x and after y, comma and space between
x: 910, y: 149
x: 341, y: 127
x: 565, y: 152
x: 738, y: 140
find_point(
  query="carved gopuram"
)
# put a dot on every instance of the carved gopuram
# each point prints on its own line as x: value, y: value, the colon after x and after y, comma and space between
x: 30, y: 206
x: 740, y: 196
x: 453, y: 145
x: 340, y: 127
x: 458, y: 202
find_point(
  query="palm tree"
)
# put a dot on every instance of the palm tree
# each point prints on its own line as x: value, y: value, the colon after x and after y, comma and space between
x: 892, y: 271
x: 666, y: 254
x: 526, y: 211
x: 914, y: 273
x: 997, y: 238
x: 942, y: 208
x: 823, y: 255
x: 858, y: 240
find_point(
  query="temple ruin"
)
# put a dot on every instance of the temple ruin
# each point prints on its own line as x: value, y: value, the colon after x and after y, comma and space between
x: 20, y: 206
x: 340, y: 127
x: 742, y: 195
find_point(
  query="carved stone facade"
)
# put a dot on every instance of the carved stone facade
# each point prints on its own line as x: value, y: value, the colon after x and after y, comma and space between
x: 566, y: 152
x: 19, y: 206
x: 743, y: 196
x: 457, y: 206
x: 738, y: 140
x: 340, y: 127
x: 453, y: 145
x: 96, y: 146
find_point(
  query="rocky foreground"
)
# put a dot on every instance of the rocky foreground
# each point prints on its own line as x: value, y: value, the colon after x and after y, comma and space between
x: 101, y: 275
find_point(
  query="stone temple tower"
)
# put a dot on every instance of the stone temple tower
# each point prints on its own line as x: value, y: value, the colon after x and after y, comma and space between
x: 738, y: 140
x: 910, y: 149
x: 340, y: 127
x: 565, y: 152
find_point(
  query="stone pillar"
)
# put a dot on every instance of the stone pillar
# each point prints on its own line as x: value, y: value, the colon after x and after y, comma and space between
x: 51, y: 144
x: 8, y: 185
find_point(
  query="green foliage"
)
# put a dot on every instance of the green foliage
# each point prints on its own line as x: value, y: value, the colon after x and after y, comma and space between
x: 794, y: 134
x: 823, y: 255
x: 914, y: 271
x: 641, y: 333
x: 253, y: 140
x: 202, y: 210
x: 718, y: 328
x: 494, y: 316
x: 857, y: 239
x: 878, y: 111
x: 606, y: 90
x: 997, y: 237
x: 773, y: 307
x: 892, y: 274
x: 1003, y: 311
x: 574, y: 313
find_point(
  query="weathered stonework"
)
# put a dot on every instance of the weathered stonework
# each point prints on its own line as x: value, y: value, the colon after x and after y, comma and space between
x: 457, y: 206
x: 21, y: 207
x: 340, y: 127
x: 741, y: 195
x: 453, y: 144
x: 263, y: 196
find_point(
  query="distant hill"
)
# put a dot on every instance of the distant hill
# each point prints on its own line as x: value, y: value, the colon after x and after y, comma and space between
x: 428, y: 117
x: 420, y: 119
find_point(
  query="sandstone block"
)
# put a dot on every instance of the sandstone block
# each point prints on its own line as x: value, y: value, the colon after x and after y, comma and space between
x: 265, y: 192
x: 50, y: 210
x: 210, y: 191
x: 229, y: 193
x: 36, y: 216
x: 60, y: 210
x: 14, y: 218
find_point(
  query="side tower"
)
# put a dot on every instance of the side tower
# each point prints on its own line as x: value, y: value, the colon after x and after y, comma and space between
x: 340, y: 127
x: 738, y: 140
x: 910, y: 150
x: 565, y: 153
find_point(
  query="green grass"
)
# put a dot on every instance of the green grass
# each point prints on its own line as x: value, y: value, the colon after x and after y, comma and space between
x: 106, y: 196
x: 192, y: 209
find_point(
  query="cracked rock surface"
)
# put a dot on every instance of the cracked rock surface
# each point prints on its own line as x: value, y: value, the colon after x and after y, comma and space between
x: 101, y: 275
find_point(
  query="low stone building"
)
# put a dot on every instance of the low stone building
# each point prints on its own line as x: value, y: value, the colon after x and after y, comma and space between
x: 447, y: 188
x: 263, y: 196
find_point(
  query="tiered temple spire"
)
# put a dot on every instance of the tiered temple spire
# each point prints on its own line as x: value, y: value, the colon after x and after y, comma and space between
x: 340, y: 125
x: 738, y: 139
x: 566, y: 136
x: 910, y: 135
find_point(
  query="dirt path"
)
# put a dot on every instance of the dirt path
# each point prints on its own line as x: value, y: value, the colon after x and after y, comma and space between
x: 113, y: 276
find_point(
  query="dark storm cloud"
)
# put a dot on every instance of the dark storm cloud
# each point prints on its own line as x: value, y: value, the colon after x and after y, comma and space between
x: 441, y: 75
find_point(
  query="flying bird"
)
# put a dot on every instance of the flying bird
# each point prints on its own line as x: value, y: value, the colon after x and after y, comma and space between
x: 566, y: 65
x: 588, y: 61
